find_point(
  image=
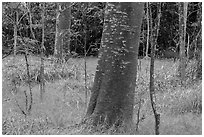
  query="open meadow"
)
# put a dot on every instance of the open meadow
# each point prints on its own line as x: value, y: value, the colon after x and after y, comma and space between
x: 64, y: 103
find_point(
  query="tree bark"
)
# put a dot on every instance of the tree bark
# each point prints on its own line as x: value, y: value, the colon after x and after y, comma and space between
x: 182, y: 30
x: 154, y: 36
x: 147, y: 46
x: 57, y: 33
x: 63, y: 22
x: 15, y: 35
x: 112, y: 96
x: 199, y: 43
x: 86, y: 5
x: 30, y: 19
x: 188, y: 47
x: 42, y: 80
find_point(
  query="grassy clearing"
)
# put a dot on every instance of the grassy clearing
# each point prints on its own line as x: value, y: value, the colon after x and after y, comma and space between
x: 64, y: 102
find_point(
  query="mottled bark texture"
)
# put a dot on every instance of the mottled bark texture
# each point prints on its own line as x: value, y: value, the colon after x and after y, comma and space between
x: 63, y: 22
x: 112, y: 96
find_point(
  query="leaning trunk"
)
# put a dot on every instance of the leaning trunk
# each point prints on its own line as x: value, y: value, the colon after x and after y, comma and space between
x: 112, y: 97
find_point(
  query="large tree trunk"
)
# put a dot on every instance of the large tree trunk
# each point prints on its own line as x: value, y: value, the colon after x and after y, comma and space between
x: 63, y: 22
x: 182, y: 30
x: 112, y: 97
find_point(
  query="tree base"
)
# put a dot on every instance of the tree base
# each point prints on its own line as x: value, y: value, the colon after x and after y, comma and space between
x: 99, y: 124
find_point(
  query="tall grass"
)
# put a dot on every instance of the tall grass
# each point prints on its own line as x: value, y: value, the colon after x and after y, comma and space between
x: 64, y: 102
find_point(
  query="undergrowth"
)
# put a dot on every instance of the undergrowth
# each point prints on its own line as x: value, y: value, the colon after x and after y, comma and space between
x: 52, y: 71
x: 64, y: 102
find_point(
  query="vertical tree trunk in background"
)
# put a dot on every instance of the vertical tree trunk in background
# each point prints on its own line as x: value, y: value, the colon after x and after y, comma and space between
x: 63, y: 22
x: 58, y: 39
x: 182, y: 31
x: 154, y: 35
x: 15, y: 35
x: 147, y: 47
x: 199, y: 43
x: 42, y: 81
x: 85, y: 52
x: 188, y: 47
x: 69, y: 16
x: 30, y: 20
x: 112, y: 96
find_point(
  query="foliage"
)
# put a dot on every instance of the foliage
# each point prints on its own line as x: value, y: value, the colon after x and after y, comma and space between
x: 91, y: 14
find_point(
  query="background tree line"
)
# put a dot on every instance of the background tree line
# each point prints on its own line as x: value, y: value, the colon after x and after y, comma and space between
x: 90, y: 17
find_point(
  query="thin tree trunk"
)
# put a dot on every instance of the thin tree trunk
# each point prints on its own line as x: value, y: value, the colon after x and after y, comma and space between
x: 154, y: 36
x: 69, y: 27
x: 185, y: 20
x: 29, y: 82
x: 182, y: 29
x: 57, y: 32
x: 42, y: 81
x: 30, y: 20
x: 85, y: 52
x: 188, y: 47
x: 147, y: 46
x: 199, y: 43
x: 15, y: 35
x: 112, y: 97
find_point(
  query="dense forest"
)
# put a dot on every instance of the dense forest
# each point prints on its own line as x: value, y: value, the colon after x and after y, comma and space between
x: 101, y: 68
x: 86, y: 27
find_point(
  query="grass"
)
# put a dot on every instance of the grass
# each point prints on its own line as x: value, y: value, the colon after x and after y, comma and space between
x: 64, y: 101
x: 185, y: 124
